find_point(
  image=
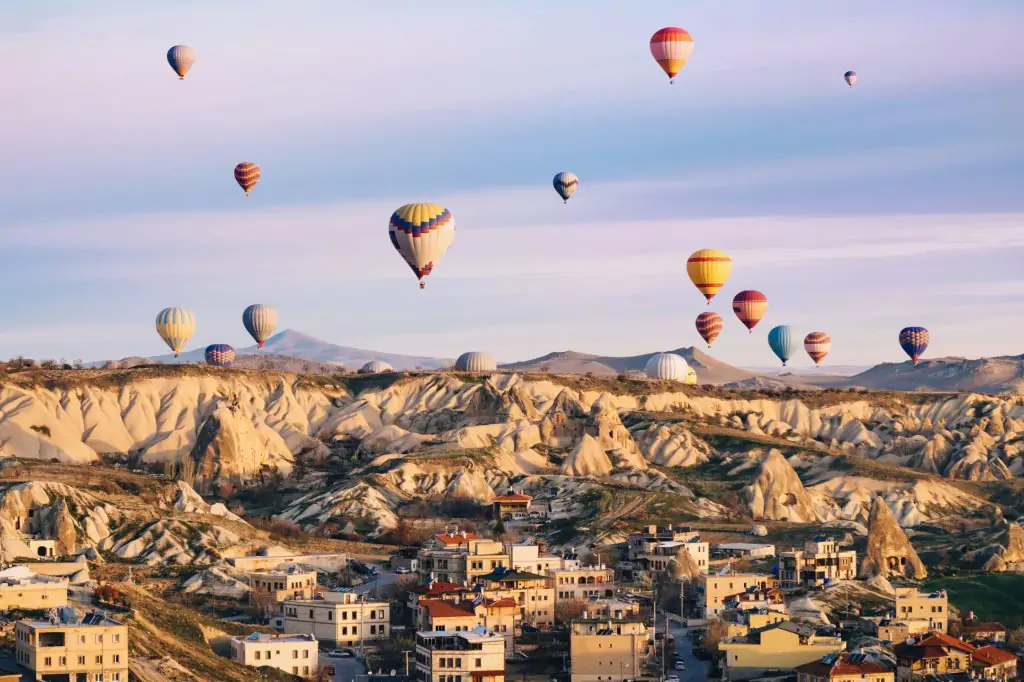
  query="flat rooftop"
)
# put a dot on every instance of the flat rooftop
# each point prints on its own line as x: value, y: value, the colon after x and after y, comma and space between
x: 265, y: 638
x: 469, y: 636
x: 66, y: 621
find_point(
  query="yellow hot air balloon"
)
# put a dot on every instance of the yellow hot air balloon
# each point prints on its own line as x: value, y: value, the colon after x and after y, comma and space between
x: 708, y: 270
x: 175, y: 326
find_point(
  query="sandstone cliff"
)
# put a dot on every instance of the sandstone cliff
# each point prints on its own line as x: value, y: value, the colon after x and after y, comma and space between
x: 889, y: 552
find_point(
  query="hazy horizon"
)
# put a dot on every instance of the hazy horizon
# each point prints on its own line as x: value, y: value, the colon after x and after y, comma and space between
x: 857, y: 211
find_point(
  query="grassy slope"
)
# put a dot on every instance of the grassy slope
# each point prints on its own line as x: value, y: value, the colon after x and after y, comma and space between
x: 992, y: 596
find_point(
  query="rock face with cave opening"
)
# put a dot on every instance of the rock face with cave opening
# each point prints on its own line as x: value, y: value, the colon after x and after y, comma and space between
x: 889, y: 552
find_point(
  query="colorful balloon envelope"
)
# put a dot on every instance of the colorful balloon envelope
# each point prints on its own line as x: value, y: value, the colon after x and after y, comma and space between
x: 783, y: 342
x: 691, y: 376
x: 709, y: 269
x: 220, y: 355
x: 175, y: 326
x: 181, y: 58
x: 671, y: 47
x: 565, y: 184
x: 850, y: 77
x: 247, y: 174
x: 750, y: 306
x: 260, y: 321
x: 421, y: 233
x: 709, y: 326
x: 914, y: 341
x: 817, y: 345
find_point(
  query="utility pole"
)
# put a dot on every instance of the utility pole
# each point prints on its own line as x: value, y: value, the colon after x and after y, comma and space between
x: 362, y: 606
x: 406, y: 653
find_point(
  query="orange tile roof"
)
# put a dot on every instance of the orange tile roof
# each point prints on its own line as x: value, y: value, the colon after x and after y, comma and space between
x: 438, y: 608
x: 990, y: 655
x: 513, y: 497
x: 506, y: 601
x: 841, y: 667
x: 455, y: 538
x: 942, y: 639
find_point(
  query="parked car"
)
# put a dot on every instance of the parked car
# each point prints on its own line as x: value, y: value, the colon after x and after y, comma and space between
x: 680, y: 665
x: 401, y: 570
x: 672, y: 678
x: 341, y: 653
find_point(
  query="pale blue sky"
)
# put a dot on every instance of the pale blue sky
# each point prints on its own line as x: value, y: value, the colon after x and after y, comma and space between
x: 855, y: 211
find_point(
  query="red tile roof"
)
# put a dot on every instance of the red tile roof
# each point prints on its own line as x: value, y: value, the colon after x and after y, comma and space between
x: 970, y: 628
x: 455, y: 539
x: 513, y: 497
x: 438, y: 608
x: 942, y: 639
x: 990, y: 655
x: 506, y: 601
x: 842, y: 666
x: 932, y: 645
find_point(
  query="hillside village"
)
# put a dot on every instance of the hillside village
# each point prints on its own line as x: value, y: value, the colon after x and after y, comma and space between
x: 180, y: 523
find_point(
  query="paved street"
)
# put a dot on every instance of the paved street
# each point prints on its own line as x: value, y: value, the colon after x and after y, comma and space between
x: 382, y: 578
x: 346, y: 669
x: 696, y: 669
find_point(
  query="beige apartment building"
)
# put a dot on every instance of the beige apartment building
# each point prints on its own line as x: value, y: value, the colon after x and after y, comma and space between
x: 658, y: 555
x: 922, y: 611
x: 820, y: 561
x: 268, y: 588
x: 533, y: 594
x: 342, y: 618
x: 529, y: 557
x: 585, y: 582
x: 475, y: 656
x: 295, y: 654
x: 713, y: 591
x: 91, y: 649
x: 20, y: 588
x: 607, y: 649
x: 780, y: 646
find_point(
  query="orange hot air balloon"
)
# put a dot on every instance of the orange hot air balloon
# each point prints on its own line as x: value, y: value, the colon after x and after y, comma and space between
x: 709, y: 326
x: 671, y: 47
x: 817, y: 345
x: 750, y: 306
x: 247, y: 174
x: 708, y: 270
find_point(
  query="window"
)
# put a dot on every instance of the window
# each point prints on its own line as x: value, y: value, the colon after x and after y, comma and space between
x: 355, y: 630
x: 97, y: 677
x: 99, y: 639
x: 62, y: 660
x: 99, y: 659
x: 295, y: 653
x: 305, y: 653
x: 330, y: 615
x: 115, y: 677
x: 81, y: 639
x: 47, y: 661
x: 373, y: 629
x: 117, y: 638
x: 479, y: 662
x: 117, y: 658
x: 257, y: 655
x: 81, y: 660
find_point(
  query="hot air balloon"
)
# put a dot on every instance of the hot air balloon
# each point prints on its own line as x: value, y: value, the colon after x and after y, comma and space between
x: 671, y: 47
x: 914, y: 341
x: 175, y: 326
x: 375, y: 367
x: 817, y: 345
x: 475, y: 361
x: 850, y: 77
x: 260, y: 321
x: 783, y: 342
x: 666, y: 367
x: 247, y: 174
x: 709, y: 326
x: 691, y: 376
x: 565, y: 184
x: 421, y: 233
x: 708, y: 270
x: 181, y: 58
x: 220, y: 355
x: 750, y: 306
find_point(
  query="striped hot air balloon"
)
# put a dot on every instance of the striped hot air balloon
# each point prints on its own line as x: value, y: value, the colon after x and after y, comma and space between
x: 850, y: 77
x: 671, y: 47
x: 750, y: 306
x: 181, y: 58
x: 817, y: 345
x: 565, y: 184
x: 220, y: 355
x: 914, y: 341
x: 247, y: 174
x: 709, y: 326
x: 709, y: 269
x: 421, y: 233
x: 475, y: 361
x: 375, y: 367
x: 783, y: 342
x: 260, y: 321
x: 175, y: 326
x: 666, y: 367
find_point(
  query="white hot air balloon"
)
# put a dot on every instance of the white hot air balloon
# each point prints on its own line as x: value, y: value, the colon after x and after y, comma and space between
x: 260, y: 321
x: 666, y: 367
x: 175, y: 326
x: 475, y: 361
x: 375, y: 367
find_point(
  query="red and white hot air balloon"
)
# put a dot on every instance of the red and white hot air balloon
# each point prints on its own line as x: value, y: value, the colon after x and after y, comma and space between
x: 671, y: 47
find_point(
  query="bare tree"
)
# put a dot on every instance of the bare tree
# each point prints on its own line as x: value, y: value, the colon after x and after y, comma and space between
x: 716, y: 630
x: 569, y: 610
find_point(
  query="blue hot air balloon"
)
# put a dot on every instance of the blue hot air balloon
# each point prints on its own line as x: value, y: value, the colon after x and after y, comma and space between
x: 914, y: 342
x: 181, y: 58
x: 783, y: 342
x: 220, y: 355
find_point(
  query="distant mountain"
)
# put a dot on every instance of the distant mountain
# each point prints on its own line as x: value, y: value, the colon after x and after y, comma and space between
x: 813, y: 373
x: 287, y: 349
x: 988, y: 375
x: 709, y: 370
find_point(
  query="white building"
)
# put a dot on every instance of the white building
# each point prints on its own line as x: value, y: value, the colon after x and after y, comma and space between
x: 744, y: 550
x: 474, y: 656
x: 342, y: 618
x: 295, y: 654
